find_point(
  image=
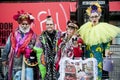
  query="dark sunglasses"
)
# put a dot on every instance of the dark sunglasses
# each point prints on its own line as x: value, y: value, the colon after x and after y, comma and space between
x: 25, y: 24
x: 49, y: 24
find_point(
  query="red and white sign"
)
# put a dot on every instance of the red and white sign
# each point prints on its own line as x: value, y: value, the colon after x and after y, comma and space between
x: 114, y: 6
x: 60, y: 11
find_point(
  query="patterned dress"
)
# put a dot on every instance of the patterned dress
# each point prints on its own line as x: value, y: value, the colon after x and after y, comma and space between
x: 97, y: 39
x: 66, y: 49
x: 47, y: 44
x: 97, y: 51
x: 22, y: 59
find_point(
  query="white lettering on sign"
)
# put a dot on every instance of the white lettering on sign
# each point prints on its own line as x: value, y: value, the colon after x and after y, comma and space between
x: 89, y: 2
x: 56, y: 19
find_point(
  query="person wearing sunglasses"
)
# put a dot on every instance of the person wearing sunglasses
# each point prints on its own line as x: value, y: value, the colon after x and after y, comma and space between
x: 97, y: 36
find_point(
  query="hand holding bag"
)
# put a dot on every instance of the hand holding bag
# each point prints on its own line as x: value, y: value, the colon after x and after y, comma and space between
x: 108, y: 64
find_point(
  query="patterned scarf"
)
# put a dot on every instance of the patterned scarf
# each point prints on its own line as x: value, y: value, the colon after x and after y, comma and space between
x: 22, y: 47
x: 24, y: 42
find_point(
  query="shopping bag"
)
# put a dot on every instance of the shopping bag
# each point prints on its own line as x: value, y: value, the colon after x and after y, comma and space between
x: 108, y: 64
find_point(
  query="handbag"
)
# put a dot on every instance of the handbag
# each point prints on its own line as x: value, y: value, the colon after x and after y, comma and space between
x: 108, y: 64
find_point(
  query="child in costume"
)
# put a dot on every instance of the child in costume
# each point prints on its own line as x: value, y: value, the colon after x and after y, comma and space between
x: 97, y: 36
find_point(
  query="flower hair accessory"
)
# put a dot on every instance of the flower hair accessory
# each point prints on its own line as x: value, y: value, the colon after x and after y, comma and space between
x: 95, y: 7
x: 21, y: 15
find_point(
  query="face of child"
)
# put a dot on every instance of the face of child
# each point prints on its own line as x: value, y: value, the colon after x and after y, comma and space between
x: 70, y: 31
x: 24, y: 26
x: 94, y: 18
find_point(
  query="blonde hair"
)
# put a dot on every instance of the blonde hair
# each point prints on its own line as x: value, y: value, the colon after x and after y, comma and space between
x: 94, y: 6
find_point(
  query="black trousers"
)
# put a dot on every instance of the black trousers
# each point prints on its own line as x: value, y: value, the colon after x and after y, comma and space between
x: 105, y: 74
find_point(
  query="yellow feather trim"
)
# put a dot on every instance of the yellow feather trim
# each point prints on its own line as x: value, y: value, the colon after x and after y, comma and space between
x: 101, y: 33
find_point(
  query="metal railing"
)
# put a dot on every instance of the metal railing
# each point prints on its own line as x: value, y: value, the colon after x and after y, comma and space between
x: 115, y: 74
